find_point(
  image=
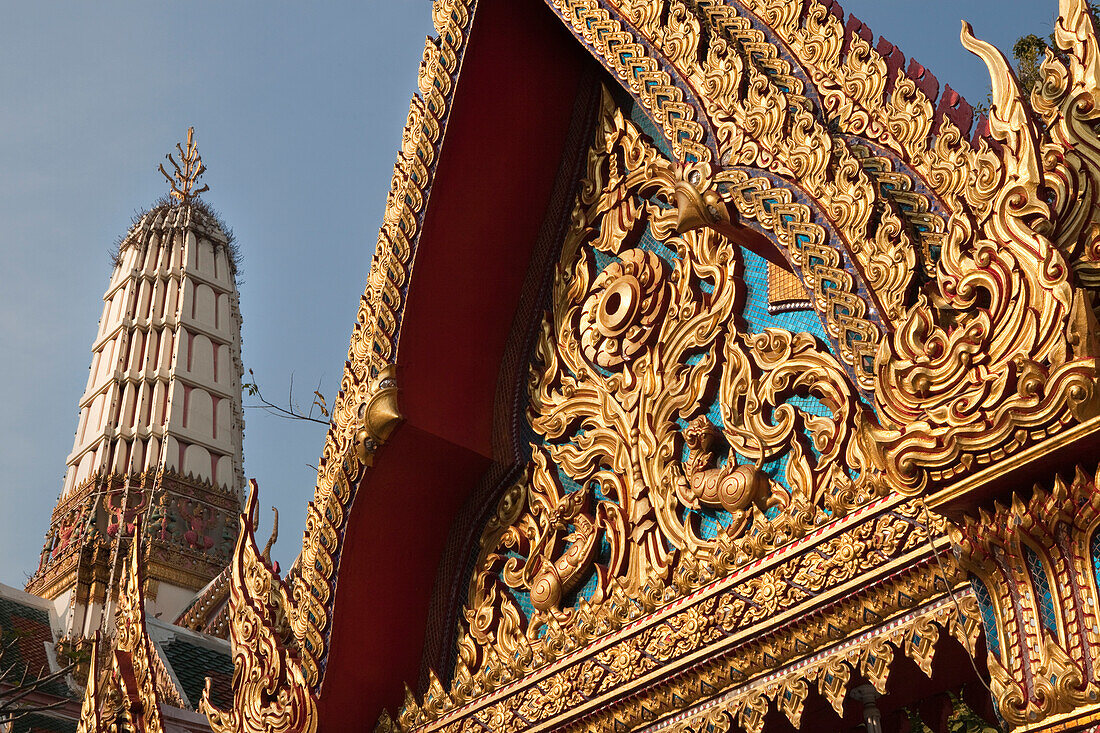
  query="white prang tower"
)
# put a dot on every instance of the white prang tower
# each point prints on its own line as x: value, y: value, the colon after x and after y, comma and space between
x: 161, y: 424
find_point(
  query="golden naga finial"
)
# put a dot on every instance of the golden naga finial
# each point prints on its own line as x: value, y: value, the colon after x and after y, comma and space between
x: 186, y: 178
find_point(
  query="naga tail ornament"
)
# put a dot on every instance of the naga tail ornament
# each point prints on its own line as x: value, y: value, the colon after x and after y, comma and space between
x: 270, y: 694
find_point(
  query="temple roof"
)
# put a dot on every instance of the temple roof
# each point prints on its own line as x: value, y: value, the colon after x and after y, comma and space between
x: 770, y: 118
x: 209, y: 612
x: 190, y: 657
x: 26, y: 632
x: 37, y: 723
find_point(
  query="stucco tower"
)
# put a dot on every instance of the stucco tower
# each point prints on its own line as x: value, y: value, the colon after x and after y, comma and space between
x: 161, y: 423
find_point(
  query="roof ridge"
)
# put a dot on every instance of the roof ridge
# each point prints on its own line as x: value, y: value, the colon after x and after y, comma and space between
x: 950, y: 103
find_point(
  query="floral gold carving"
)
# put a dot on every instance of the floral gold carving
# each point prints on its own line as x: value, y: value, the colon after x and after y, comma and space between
x: 945, y: 356
x: 626, y: 301
x: 795, y: 654
x: 1037, y: 671
x: 955, y: 281
x: 872, y: 654
x: 624, y: 364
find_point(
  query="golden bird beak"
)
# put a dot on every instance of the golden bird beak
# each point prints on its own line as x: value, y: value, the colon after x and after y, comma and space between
x: 695, y: 210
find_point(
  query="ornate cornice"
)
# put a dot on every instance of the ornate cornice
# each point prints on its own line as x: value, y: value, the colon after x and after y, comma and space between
x: 871, y: 655
x: 1034, y: 559
x: 822, y: 618
x: 648, y: 72
x: 189, y: 526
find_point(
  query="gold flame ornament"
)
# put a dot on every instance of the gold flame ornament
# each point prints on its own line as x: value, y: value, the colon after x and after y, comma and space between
x: 186, y: 175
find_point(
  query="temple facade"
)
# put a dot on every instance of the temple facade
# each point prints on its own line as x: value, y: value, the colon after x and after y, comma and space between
x: 717, y: 369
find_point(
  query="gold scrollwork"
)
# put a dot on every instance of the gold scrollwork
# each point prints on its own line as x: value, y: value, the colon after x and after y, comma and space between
x: 793, y: 651
x: 991, y: 338
x: 624, y: 364
x: 133, y: 657
x: 993, y: 349
x: 873, y: 655
x: 270, y: 693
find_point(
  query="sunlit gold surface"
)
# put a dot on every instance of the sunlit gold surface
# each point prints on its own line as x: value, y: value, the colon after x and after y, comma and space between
x: 269, y: 688
x: 127, y: 693
x: 992, y: 351
x: 1040, y: 672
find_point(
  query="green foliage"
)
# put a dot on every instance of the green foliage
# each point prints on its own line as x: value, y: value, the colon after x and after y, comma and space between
x: 961, y: 719
x: 964, y: 720
x: 1030, y: 50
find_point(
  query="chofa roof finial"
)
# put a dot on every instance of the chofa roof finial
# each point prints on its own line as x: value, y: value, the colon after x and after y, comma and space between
x: 187, y: 171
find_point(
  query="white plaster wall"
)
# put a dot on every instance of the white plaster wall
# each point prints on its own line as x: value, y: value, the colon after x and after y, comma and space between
x: 200, y: 417
x: 170, y: 602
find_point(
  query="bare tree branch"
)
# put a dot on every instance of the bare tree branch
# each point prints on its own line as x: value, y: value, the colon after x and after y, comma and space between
x: 14, y: 675
x: 18, y: 713
x: 292, y: 411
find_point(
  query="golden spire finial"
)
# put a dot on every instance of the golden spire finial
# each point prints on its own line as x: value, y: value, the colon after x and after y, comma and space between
x: 186, y: 178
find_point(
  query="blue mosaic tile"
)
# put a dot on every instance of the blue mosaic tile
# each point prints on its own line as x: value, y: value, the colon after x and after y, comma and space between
x: 1094, y: 550
x: 1041, y: 584
x: 989, y: 617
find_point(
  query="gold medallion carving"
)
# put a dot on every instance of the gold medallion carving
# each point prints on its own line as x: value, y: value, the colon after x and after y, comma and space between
x: 633, y: 459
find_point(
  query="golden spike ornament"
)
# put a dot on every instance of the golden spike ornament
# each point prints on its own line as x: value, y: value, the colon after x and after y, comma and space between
x: 135, y: 663
x: 91, y: 705
x: 186, y: 172
x: 270, y: 693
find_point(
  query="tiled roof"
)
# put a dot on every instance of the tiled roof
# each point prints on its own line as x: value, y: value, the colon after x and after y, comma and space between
x: 209, y: 612
x: 29, y: 628
x: 35, y: 723
x: 192, y: 664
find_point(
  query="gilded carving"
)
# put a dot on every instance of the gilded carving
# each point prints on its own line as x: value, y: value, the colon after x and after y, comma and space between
x: 955, y: 281
x: 361, y: 418
x: 945, y: 357
x: 90, y: 720
x: 133, y: 656
x: 734, y: 609
x: 1044, y: 663
x: 270, y: 692
x: 127, y: 691
x: 872, y: 654
x: 820, y: 650
x: 624, y: 366
x: 640, y: 71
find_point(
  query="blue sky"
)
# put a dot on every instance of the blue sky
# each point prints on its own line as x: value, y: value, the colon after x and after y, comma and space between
x: 298, y: 110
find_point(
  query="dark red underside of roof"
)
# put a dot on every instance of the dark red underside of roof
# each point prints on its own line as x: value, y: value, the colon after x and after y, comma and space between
x: 507, y: 128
